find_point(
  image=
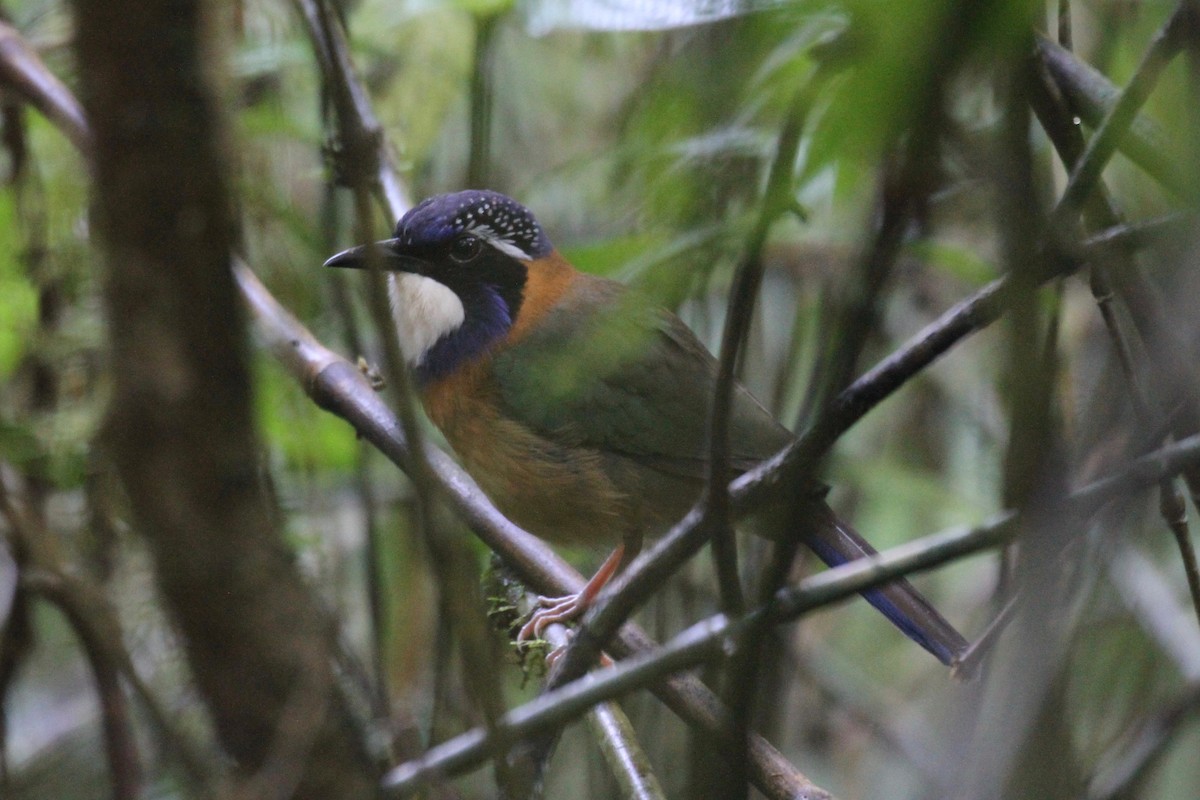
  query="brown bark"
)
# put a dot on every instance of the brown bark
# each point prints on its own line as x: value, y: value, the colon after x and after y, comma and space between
x: 181, y: 428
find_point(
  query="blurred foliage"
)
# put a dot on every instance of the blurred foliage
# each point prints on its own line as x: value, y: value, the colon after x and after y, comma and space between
x: 642, y: 147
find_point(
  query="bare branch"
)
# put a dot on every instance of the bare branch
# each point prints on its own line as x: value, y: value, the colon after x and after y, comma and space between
x: 1100, y: 211
x: 23, y: 70
x: 1092, y: 97
x: 1100, y: 148
x: 359, y: 130
x: 1132, y: 758
x: 119, y: 742
x: 701, y: 642
x: 707, y: 639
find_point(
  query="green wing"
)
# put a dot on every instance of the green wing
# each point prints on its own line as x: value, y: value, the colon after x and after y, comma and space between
x: 605, y: 370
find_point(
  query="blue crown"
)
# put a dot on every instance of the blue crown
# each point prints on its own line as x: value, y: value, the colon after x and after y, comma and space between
x: 500, y: 221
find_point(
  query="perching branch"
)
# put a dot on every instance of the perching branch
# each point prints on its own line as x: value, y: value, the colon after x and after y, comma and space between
x: 707, y: 639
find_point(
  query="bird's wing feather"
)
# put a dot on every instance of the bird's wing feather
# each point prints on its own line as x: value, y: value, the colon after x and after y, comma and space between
x: 606, y: 370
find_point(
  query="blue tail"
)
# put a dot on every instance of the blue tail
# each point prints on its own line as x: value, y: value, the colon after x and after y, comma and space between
x: 836, y: 543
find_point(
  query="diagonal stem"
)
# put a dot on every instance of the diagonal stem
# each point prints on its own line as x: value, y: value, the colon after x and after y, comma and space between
x: 1166, y: 43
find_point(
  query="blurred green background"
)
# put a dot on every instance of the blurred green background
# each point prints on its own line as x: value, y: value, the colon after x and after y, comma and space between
x: 642, y: 147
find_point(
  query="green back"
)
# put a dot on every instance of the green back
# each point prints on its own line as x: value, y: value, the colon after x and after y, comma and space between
x: 605, y: 370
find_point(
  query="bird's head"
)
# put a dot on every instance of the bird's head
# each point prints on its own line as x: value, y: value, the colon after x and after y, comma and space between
x: 459, y: 267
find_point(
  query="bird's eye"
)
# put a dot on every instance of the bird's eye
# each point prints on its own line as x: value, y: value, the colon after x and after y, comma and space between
x: 465, y: 248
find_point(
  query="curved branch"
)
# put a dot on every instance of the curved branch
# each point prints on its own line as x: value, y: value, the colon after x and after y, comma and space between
x: 70, y: 597
x: 24, y: 71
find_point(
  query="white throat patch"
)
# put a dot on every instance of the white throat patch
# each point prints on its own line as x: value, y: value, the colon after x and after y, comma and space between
x: 424, y: 310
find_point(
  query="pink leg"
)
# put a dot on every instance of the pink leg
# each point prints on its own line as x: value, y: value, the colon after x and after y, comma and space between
x: 571, y: 606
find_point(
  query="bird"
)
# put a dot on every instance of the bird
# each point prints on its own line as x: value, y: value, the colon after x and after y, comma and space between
x: 578, y: 405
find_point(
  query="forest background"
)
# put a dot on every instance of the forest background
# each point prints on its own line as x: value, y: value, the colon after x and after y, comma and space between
x: 957, y: 240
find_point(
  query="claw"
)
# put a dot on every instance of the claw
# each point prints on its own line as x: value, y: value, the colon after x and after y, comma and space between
x: 551, y: 610
x: 570, y: 607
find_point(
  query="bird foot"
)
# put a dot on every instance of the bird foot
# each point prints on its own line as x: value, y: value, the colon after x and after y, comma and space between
x: 549, y: 611
x: 373, y: 376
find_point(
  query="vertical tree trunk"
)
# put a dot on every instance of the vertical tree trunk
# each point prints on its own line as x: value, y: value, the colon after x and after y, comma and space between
x: 181, y: 427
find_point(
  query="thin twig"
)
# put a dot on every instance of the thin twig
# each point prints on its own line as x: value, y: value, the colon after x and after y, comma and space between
x: 625, y: 757
x: 362, y: 133
x: 479, y: 157
x: 372, y: 562
x: 617, y: 739
x: 24, y: 71
x: 97, y: 625
x: 1173, y: 512
x: 1091, y: 97
x: 119, y: 742
x: 973, y: 656
x: 77, y: 600
x: 1100, y: 148
x: 1131, y: 759
x: 457, y: 578
x: 777, y: 201
x: 1100, y: 212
